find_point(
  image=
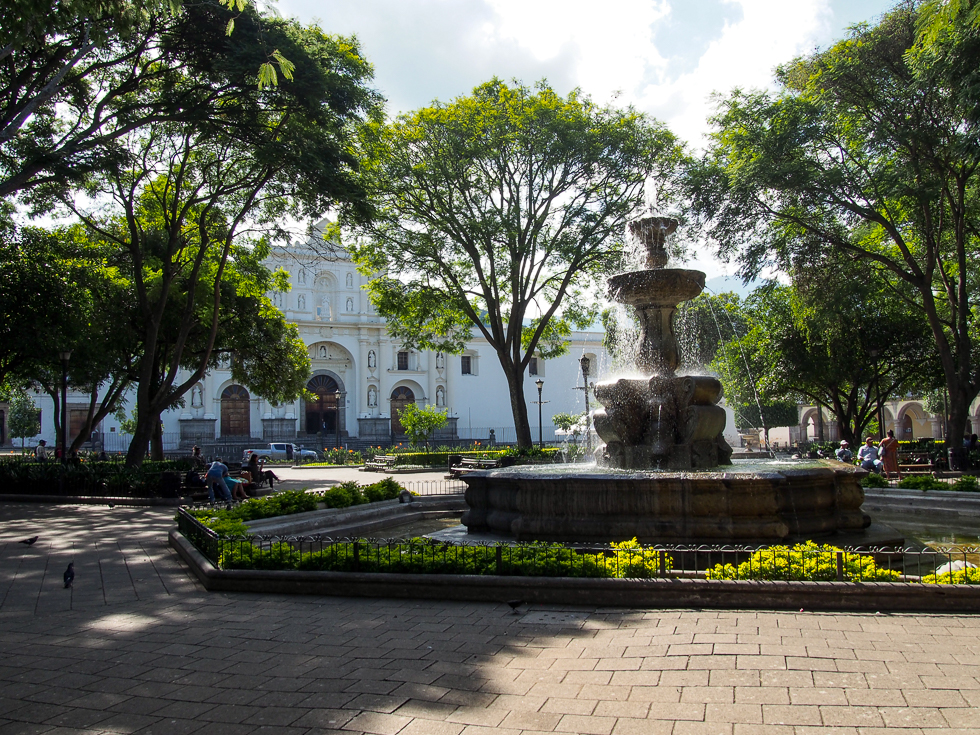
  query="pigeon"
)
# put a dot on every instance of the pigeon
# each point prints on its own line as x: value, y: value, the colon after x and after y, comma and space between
x: 112, y: 505
x: 514, y: 604
x: 69, y: 575
x: 29, y: 541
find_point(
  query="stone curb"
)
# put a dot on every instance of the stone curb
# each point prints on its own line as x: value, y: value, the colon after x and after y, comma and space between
x: 91, y: 500
x: 634, y: 593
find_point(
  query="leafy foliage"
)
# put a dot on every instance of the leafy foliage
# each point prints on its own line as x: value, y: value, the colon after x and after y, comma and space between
x: 419, y: 423
x: 809, y: 562
x: 871, y: 154
x: 496, y: 213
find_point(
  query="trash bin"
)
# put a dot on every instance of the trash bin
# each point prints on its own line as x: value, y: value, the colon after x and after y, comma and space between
x: 959, y: 459
x: 170, y: 484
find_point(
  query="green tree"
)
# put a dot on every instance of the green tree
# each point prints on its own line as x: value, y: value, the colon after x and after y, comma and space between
x: 829, y: 339
x: 496, y: 212
x: 76, y: 77
x: 24, y: 420
x: 178, y: 211
x: 861, y: 153
x: 419, y: 423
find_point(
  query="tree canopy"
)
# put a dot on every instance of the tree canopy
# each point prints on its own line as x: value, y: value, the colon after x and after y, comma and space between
x: 495, y: 213
x: 869, y: 153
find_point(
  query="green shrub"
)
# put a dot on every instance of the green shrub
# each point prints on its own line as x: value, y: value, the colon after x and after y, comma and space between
x: 922, y: 482
x: 428, y: 556
x: 233, y: 521
x: 966, y: 483
x: 970, y: 575
x: 808, y: 562
x: 874, y: 480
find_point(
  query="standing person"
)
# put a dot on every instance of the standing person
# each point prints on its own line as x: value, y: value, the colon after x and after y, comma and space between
x: 888, y: 451
x: 215, y: 478
x: 868, y: 456
x: 41, y: 451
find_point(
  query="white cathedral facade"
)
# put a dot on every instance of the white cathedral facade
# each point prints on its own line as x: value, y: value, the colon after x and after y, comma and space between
x: 361, y: 376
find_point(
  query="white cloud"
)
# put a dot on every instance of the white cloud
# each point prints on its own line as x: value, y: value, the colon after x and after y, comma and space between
x: 746, y: 53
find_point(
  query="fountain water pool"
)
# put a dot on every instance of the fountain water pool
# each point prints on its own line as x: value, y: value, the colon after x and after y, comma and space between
x: 665, y: 472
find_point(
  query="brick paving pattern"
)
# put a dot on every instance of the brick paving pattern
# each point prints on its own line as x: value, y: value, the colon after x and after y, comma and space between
x: 137, y: 646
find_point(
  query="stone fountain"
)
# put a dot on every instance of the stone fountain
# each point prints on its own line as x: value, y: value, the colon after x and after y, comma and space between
x: 663, y: 421
x: 665, y: 472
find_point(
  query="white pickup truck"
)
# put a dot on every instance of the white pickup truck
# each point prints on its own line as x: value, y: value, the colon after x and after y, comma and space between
x: 280, y: 450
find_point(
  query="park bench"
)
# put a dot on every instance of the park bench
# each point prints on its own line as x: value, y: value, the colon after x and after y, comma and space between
x: 381, y: 463
x: 468, y: 464
x: 915, y: 464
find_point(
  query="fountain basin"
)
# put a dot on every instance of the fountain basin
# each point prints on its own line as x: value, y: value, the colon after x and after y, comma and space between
x: 751, y: 503
x: 656, y: 288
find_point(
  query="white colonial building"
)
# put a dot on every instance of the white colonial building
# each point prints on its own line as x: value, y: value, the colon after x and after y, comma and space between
x: 361, y: 376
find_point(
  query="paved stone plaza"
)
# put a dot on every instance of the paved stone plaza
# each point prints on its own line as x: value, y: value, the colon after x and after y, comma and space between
x: 138, y: 646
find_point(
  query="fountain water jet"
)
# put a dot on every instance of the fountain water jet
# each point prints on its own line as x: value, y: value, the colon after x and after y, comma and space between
x: 663, y: 438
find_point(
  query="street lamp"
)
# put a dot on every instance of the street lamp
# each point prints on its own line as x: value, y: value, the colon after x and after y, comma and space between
x: 540, y: 383
x: 584, y: 362
x: 65, y: 355
x: 336, y: 419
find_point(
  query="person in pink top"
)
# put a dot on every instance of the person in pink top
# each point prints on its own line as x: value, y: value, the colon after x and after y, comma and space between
x: 888, y: 450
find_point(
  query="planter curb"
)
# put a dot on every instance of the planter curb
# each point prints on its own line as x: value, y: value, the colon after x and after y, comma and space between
x: 634, y: 593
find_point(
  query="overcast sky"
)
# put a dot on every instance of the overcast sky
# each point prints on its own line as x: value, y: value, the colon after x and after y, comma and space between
x: 665, y: 57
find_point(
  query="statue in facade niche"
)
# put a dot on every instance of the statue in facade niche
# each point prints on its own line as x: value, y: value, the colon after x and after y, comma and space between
x: 197, y: 398
x: 350, y: 280
x: 372, y: 360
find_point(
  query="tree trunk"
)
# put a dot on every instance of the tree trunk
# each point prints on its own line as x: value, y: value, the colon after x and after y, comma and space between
x: 515, y: 384
x: 156, y: 440
x: 141, y: 438
x: 959, y: 412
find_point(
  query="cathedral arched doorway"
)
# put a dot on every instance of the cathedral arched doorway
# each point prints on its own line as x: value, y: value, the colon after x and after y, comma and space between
x: 235, y: 412
x: 400, y: 397
x: 322, y: 415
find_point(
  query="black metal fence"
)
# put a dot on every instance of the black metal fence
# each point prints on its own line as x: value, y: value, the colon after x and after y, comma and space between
x: 433, y: 487
x: 952, y: 565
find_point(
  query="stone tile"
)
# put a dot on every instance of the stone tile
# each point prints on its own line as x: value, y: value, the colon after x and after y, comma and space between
x: 377, y: 723
x: 586, y: 725
x: 777, y: 714
x: 851, y: 716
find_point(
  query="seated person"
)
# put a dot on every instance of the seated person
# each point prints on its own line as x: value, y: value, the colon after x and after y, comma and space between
x: 237, y: 486
x: 258, y: 474
x: 868, y: 456
x: 194, y: 480
x: 844, y: 454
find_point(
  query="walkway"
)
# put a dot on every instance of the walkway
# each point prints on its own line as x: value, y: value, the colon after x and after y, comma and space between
x: 137, y: 646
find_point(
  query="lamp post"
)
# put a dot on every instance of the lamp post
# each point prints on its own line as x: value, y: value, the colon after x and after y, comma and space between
x: 584, y: 362
x: 540, y: 383
x: 65, y: 355
x: 336, y: 420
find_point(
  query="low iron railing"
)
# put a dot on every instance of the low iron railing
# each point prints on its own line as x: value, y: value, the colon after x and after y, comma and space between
x: 947, y: 565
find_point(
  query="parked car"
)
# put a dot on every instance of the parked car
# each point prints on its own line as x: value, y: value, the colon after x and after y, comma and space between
x: 280, y: 450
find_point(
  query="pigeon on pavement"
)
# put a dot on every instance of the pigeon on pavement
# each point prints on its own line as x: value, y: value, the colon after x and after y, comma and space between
x: 514, y: 604
x: 69, y: 575
x: 29, y: 541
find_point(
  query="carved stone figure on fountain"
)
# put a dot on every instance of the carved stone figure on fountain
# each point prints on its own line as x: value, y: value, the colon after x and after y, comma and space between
x: 663, y: 421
